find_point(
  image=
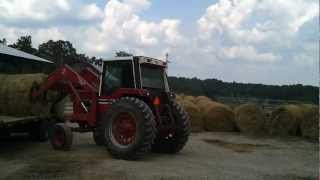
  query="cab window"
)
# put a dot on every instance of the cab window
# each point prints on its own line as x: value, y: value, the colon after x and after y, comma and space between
x: 117, y: 74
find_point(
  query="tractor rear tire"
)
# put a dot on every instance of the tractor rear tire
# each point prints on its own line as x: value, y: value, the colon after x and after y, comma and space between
x: 175, y: 142
x: 128, y: 128
x: 61, y: 137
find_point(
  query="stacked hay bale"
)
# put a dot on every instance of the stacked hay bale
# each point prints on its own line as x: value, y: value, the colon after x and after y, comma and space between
x: 199, y: 99
x: 206, y: 114
x: 218, y: 117
x: 203, y: 103
x: 250, y: 119
x: 15, y: 95
x: 285, y: 120
x: 195, y: 115
x: 190, y: 98
x: 179, y: 98
x: 309, y: 125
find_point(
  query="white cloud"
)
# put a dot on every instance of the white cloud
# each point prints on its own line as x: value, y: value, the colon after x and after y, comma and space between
x: 248, y: 53
x: 123, y: 27
x: 237, y: 26
x: 46, y: 10
x: 138, y: 5
x: 90, y: 11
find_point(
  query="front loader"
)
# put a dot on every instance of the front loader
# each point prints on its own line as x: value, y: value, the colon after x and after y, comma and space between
x: 127, y: 104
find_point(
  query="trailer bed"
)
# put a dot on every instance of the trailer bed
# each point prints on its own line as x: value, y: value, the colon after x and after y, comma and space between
x: 7, y: 121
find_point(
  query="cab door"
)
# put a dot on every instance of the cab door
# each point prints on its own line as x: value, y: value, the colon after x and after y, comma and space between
x: 117, y: 74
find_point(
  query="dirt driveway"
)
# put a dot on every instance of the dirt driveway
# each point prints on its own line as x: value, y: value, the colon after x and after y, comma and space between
x: 207, y: 156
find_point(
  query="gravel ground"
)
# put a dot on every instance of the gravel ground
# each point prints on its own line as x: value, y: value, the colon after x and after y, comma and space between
x: 206, y: 156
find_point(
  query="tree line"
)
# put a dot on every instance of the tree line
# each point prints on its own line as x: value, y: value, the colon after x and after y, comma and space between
x: 63, y: 52
x: 214, y: 88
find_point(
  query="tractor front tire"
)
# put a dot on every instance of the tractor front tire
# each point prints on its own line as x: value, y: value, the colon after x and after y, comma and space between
x: 128, y: 128
x: 61, y: 137
x: 175, y: 142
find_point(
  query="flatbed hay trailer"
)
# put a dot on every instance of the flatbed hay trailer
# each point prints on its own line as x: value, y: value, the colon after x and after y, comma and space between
x: 36, y: 126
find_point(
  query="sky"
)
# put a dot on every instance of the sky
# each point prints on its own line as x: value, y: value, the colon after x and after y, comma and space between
x: 250, y: 41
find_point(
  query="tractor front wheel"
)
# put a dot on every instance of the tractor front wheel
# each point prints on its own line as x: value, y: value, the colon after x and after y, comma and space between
x: 61, y: 137
x: 174, y: 141
x: 128, y: 128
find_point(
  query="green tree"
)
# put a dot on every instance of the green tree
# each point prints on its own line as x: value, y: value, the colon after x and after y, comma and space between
x: 60, y: 52
x: 24, y: 43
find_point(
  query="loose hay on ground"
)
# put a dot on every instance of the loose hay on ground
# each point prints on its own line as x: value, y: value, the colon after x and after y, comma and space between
x: 250, y: 119
x: 218, y: 117
x: 285, y: 120
x: 15, y: 94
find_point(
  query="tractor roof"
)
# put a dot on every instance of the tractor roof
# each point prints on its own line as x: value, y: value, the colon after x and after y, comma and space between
x: 141, y: 59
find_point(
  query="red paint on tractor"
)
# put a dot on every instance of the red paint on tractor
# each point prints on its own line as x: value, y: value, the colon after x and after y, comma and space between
x: 124, y: 128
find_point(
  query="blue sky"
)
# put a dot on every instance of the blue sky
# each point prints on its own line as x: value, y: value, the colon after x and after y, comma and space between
x: 256, y: 41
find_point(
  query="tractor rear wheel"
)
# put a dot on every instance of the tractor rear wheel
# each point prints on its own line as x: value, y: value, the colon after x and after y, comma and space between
x: 174, y: 142
x: 61, y: 137
x: 128, y: 128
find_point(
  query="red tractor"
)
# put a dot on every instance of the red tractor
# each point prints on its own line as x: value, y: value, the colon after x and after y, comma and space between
x: 127, y: 104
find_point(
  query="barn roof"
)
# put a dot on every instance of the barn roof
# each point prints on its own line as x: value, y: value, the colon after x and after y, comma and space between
x: 14, y: 52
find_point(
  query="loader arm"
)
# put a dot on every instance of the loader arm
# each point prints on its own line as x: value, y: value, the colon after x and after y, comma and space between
x: 79, y: 89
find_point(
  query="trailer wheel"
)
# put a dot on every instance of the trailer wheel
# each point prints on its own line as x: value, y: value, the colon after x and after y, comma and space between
x: 128, y: 128
x: 40, y: 130
x: 174, y: 142
x: 61, y: 137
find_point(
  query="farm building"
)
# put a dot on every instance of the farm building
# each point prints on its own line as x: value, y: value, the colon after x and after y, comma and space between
x: 13, y: 61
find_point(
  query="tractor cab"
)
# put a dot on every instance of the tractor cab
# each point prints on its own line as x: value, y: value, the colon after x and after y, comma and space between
x: 137, y: 72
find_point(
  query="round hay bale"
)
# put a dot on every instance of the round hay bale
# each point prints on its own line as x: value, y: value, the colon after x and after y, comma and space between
x: 179, y: 98
x: 250, y: 119
x: 201, y: 98
x: 218, y: 117
x: 285, y: 120
x: 195, y: 115
x: 309, y: 125
x: 15, y: 95
x: 204, y: 103
x: 189, y: 98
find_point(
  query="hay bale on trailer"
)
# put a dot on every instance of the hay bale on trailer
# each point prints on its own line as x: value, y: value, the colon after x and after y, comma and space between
x: 285, y: 120
x: 309, y: 125
x: 218, y: 117
x: 250, y: 119
x: 15, y: 95
x: 195, y: 115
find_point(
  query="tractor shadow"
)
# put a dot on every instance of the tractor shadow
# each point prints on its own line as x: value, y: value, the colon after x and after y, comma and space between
x: 15, y: 143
